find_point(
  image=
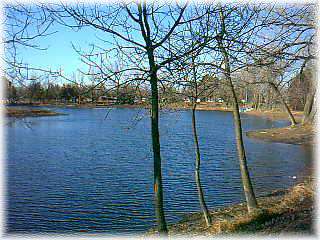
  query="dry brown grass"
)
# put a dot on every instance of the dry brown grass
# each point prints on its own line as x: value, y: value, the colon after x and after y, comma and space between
x: 299, y: 134
x: 283, y: 211
x: 271, y: 213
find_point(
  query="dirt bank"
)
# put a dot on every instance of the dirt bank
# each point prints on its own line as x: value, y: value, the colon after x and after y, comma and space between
x: 299, y: 134
x: 276, y: 115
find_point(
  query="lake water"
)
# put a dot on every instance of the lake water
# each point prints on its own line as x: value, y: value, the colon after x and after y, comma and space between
x: 92, y: 170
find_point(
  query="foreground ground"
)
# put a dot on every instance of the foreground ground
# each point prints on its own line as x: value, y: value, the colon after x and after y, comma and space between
x: 281, y: 212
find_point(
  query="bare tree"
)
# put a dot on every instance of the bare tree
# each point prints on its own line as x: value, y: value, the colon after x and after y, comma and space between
x: 141, y: 33
x: 246, y: 181
x: 196, y: 87
x: 292, y: 31
x: 257, y: 35
x: 197, y: 92
x: 273, y: 76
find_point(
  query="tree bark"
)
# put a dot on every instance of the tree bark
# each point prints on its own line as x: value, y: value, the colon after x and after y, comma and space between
x: 308, y: 106
x: 291, y: 117
x: 311, y: 117
x: 158, y: 191
x: 202, y: 202
x: 256, y: 101
x: 312, y: 114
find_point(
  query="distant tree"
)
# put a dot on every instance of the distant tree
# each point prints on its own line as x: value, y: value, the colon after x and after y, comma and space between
x: 268, y: 77
x: 11, y: 91
x: 53, y: 91
x: 35, y: 91
x: 126, y: 94
x: 301, y: 93
x: 69, y: 92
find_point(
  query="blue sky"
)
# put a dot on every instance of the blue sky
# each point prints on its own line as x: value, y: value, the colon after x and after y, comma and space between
x: 60, y: 52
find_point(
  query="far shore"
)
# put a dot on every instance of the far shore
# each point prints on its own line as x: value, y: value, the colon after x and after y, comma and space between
x: 299, y: 134
x: 270, y: 114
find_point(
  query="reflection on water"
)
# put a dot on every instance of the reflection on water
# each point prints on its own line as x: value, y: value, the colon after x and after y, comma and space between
x: 83, y: 173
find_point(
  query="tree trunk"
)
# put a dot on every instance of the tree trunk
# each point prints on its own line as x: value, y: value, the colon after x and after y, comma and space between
x: 258, y: 102
x: 158, y: 193
x: 202, y: 202
x: 308, y: 106
x: 312, y: 114
x: 291, y: 117
x: 311, y: 117
x: 252, y: 204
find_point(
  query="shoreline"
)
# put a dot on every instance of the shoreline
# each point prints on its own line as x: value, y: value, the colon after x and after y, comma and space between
x: 276, y: 115
x: 21, y: 113
x: 270, y: 114
x: 298, y: 135
x: 281, y: 211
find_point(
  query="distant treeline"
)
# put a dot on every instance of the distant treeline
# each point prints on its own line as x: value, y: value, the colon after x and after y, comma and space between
x: 259, y: 97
